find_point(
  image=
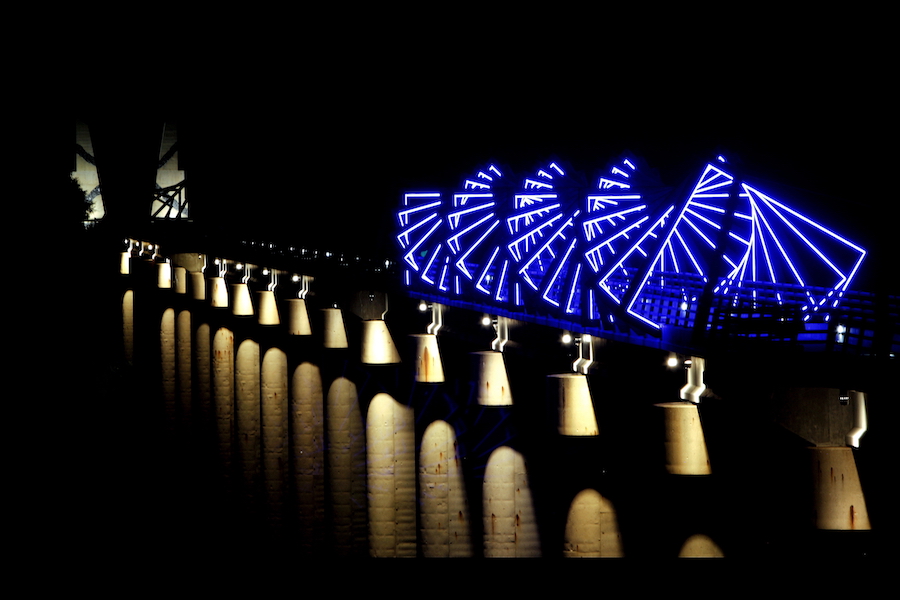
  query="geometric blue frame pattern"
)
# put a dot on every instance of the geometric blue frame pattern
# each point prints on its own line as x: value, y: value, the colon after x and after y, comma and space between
x: 624, y: 252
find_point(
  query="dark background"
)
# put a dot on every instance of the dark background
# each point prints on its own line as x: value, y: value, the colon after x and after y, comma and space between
x: 307, y: 129
x: 312, y: 139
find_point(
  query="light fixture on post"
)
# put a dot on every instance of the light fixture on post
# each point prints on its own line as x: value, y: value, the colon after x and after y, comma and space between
x: 838, y: 499
x: 685, y: 444
x: 298, y: 314
x: 164, y: 274
x: 218, y: 296
x: 125, y: 260
x: 198, y: 281
x: 242, y: 305
x: 377, y: 346
x: 572, y: 393
x: 429, y: 368
x: 576, y: 409
x: 492, y: 381
x: 268, y: 307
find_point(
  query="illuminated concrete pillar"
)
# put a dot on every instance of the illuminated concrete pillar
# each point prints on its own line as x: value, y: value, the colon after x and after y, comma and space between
x: 576, y: 409
x: 377, y: 346
x: 203, y: 370
x: 241, y: 303
x: 167, y: 364
x: 218, y: 295
x: 308, y: 448
x: 838, y: 500
x: 391, y: 460
x: 128, y: 325
x: 429, y: 368
x: 700, y: 546
x: 275, y: 457
x: 685, y: 444
x: 298, y: 317
x: 492, y: 382
x: 268, y: 308
x: 222, y: 366
x: 247, y: 418
x: 509, y: 521
x: 444, y: 507
x: 183, y: 360
x: 592, y: 528
x: 346, y: 467
x: 335, y: 333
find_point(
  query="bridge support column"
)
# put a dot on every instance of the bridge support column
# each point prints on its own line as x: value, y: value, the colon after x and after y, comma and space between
x: 222, y: 366
x: 183, y: 358
x: 346, y: 467
x: 509, y: 520
x: 444, y: 509
x: 592, y: 528
x: 308, y: 448
x: 167, y: 366
x: 391, y: 460
x: 247, y: 420
x: 128, y: 325
x: 275, y: 458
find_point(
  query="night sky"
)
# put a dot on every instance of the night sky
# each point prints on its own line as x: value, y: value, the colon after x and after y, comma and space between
x: 314, y: 141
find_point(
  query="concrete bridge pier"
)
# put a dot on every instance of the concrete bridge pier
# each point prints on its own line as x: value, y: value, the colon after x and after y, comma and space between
x: 591, y: 525
x: 509, y: 523
x: 345, y: 437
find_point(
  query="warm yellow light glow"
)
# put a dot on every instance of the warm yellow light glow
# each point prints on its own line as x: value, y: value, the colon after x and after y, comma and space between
x: 377, y: 345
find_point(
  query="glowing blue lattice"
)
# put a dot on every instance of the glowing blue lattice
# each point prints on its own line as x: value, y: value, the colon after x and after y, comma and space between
x: 475, y: 238
x: 626, y: 248
x: 544, y: 238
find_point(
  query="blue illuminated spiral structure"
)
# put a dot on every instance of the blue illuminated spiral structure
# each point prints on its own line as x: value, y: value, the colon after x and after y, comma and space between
x: 625, y: 253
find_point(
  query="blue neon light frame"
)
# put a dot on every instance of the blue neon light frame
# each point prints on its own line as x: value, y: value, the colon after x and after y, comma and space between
x: 620, y: 253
